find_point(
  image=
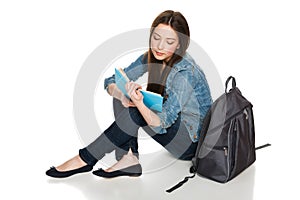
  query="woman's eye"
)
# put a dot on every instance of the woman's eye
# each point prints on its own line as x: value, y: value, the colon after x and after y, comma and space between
x: 155, y: 38
x: 170, y: 43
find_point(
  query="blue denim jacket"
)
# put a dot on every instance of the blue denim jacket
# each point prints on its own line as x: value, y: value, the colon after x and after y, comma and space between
x: 187, y: 90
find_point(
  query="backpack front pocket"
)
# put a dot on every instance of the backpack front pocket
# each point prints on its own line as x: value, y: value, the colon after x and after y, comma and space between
x: 215, y: 163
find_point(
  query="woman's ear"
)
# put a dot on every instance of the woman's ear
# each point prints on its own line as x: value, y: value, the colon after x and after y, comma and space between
x: 178, y: 46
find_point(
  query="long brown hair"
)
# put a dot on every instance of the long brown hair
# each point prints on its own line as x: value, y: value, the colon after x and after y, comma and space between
x: 156, y: 79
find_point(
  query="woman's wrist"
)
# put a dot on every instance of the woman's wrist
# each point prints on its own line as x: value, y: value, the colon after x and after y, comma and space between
x: 150, y: 117
x: 139, y: 104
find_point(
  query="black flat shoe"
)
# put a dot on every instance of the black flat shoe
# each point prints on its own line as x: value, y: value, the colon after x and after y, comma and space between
x: 58, y: 174
x: 133, y: 171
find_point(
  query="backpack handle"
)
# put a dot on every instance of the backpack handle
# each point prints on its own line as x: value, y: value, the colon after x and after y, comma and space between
x: 232, y: 82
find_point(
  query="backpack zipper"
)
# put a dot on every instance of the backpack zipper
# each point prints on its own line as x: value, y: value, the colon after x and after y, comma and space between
x: 232, y: 117
x: 225, y: 151
x: 219, y: 148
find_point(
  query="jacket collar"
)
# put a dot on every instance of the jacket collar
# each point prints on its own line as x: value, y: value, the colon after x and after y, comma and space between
x: 186, y: 60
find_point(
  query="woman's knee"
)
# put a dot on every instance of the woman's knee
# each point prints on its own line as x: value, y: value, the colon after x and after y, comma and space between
x: 136, y: 116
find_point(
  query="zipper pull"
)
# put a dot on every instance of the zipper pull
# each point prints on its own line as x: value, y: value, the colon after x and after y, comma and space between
x: 235, y: 126
x: 225, y: 151
x: 246, y: 113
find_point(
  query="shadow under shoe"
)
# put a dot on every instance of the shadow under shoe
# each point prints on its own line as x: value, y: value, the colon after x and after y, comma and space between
x: 132, y: 171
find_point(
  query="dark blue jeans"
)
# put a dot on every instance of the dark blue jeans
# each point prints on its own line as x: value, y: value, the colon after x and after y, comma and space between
x: 122, y: 135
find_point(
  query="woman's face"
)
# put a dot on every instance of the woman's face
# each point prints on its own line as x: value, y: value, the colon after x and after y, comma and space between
x: 164, y: 42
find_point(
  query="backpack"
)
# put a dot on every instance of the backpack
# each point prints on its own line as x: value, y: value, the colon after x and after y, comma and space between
x: 226, y: 145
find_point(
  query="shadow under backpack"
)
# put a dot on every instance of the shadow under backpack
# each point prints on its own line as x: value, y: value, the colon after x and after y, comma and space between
x: 226, y: 145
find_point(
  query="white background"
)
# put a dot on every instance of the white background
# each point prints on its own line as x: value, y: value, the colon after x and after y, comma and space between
x: 43, y: 45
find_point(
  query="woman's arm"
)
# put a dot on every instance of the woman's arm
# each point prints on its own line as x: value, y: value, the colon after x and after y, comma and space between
x: 113, y: 91
x: 136, y: 96
x: 133, y: 71
x: 178, y: 95
x: 150, y: 117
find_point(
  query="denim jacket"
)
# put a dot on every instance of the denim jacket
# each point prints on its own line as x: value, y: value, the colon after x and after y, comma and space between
x: 187, y: 90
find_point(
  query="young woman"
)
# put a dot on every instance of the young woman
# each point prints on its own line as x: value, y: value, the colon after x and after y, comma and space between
x: 172, y: 73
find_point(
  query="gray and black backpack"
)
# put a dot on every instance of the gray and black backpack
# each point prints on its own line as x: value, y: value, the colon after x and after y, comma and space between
x: 227, y: 140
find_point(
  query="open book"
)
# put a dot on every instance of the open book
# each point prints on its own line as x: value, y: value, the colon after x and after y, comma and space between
x: 152, y: 100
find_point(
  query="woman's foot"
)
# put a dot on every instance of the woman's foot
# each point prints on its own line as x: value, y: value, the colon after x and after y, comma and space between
x: 74, y: 163
x: 127, y: 166
x: 126, y: 161
x: 73, y: 166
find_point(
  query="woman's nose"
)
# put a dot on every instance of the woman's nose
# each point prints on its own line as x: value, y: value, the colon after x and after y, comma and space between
x: 160, y: 45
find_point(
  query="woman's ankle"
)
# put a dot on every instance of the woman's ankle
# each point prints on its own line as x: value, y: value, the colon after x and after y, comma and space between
x: 126, y: 161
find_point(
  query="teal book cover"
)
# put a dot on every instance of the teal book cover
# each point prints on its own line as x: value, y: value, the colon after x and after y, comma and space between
x: 121, y: 79
x: 152, y: 100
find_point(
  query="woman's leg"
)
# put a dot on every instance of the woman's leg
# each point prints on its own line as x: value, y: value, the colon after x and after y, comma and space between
x: 120, y: 136
x: 124, y: 149
x: 177, y: 140
x: 113, y: 138
x: 137, y: 119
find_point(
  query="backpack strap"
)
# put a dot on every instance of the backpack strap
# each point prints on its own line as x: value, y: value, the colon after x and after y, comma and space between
x: 203, y: 131
x: 193, y: 170
x: 233, y: 83
x: 262, y: 146
x: 180, y: 183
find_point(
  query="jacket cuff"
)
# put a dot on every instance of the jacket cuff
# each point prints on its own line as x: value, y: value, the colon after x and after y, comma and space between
x: 158, y: 129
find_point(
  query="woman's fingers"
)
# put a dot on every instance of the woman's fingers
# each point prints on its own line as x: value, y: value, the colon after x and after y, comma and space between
x: 137, y: 96
x: 132, y: 87
x: 133, y: 91
x: 126, y: 102
x: 131, y: 104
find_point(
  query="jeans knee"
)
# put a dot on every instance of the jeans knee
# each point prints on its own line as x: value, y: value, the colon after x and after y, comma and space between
x: 137, y: 117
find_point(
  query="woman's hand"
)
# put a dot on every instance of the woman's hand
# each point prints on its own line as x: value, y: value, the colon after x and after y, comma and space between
x: 126, y: 102
x: 133, y: 90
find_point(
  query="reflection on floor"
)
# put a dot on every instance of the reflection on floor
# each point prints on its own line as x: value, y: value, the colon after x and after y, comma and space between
x: 159, y: 174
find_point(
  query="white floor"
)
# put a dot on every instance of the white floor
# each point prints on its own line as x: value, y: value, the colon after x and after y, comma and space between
x: 153, y: 185
x: 43, y: 46
x: 264, y: 180
x: 271, y: 177
x: 268, y: 178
